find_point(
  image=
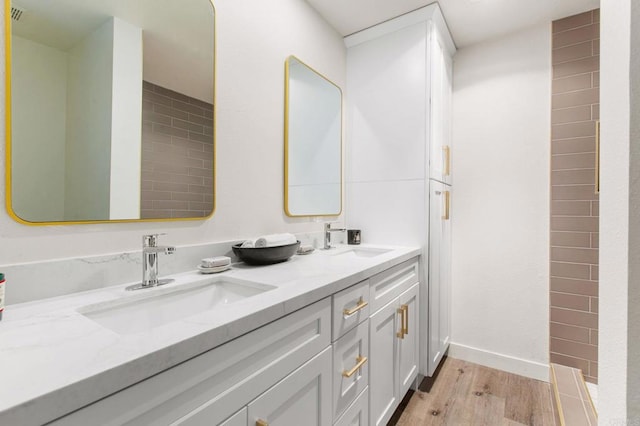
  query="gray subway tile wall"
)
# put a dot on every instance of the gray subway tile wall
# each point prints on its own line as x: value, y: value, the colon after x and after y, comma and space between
x: 177, y: 155
x: 574, y: 203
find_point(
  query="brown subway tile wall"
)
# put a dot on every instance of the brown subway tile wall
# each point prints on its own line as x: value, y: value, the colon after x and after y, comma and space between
x: 177, y: 155
x: 574, y: 203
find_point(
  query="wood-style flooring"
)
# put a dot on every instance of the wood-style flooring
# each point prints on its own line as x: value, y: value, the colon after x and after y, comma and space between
x: 462, y: 393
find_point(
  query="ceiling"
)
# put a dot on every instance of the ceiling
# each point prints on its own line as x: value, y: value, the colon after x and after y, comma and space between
x: 470, y: 21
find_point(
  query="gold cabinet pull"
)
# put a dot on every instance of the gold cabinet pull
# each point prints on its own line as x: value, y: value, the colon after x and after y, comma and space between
x: 400, y: 333
x: 405, y: 310
x: 447, y: 205
x: 261, y: 422
x: 447, y: 161
x: 597, y: 188
x: 361, y: 304
x: 360, y: 361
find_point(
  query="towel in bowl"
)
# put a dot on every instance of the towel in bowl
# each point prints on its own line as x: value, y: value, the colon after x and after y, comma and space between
x: 275, y: 240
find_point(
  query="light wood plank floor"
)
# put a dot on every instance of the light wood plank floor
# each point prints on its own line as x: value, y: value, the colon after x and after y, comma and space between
x: 464, y: 394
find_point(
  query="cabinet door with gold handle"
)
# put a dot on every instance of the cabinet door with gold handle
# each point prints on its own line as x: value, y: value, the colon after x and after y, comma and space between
x: 409, y: 346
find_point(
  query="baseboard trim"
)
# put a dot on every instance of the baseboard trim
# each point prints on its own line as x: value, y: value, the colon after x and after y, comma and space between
x: 510, y: 364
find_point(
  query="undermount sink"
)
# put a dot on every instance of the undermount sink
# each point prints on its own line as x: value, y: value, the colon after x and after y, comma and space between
x: 144, y: 312
x: 362, y: 252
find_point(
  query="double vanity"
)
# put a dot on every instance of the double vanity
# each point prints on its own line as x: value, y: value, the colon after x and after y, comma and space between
x: 330, y: 337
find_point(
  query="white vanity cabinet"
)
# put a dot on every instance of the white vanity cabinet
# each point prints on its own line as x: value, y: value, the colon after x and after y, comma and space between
x: 329, y: 363
x: 211, y: 388
x: 394, y: 341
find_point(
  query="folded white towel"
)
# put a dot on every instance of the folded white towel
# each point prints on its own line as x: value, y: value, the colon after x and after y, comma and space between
x: 214, y: 262
x: 275, y: 240
x: 248, y: 244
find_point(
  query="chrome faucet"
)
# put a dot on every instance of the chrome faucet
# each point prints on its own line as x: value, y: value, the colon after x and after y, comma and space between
x: 150, y: 251
x: 327, y: 234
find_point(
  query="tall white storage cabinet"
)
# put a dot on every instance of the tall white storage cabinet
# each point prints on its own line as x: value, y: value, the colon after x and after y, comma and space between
x: 398, y: 97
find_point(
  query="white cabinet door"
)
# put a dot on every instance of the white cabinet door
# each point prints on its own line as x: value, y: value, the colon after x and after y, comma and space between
x: 301, y: 398
x: 441, y: 97
x: 384, y: 383
x: 439, y: 273
x: 408, y: 345
x: 238, y: 419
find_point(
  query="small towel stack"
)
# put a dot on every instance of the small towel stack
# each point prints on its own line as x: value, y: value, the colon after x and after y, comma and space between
x: 272, y: 240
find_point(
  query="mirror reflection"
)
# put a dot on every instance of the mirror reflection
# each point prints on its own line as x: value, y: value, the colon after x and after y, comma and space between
x: 313, y: 142
x: 112, y: 114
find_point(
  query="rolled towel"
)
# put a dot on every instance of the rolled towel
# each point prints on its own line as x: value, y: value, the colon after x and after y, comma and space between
x: 275, y: 240
x: 248, y: 244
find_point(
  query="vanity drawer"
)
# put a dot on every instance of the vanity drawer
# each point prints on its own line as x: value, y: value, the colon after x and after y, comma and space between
x: 358, y: 413
x: 389, y: 284
x: 350, y: 367
x: 350, y: 308
x: 209, y: 388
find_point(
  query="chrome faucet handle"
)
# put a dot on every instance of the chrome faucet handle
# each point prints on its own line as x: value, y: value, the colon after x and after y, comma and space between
x: 151, y: 240
x: 328, y: 228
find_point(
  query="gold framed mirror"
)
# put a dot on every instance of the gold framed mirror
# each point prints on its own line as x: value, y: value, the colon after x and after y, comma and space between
x: 110, y: 110
x: 312, y: 142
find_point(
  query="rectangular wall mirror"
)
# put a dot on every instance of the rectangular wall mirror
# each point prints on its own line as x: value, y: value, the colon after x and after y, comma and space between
x: 312, y: 142
x: 110, y: 110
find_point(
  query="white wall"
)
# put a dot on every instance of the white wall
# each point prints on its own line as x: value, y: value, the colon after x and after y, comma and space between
x: 88, y: 150
x: 126, y: 121
x: 500, y: 215
x: 619, y: 317
x: 39, y: 84
x: 253, y: 41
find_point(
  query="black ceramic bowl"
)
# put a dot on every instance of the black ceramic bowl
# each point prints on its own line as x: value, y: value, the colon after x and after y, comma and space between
x: 265, y: 255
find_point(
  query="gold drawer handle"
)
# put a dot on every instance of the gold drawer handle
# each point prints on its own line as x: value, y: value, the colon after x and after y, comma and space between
x: 261, y: 422
x: 447, y: 205
x: 403, y: 327
x: 405, y: 309
x: 361, y: 360
x: 447, y: 161
x: 361, y: 304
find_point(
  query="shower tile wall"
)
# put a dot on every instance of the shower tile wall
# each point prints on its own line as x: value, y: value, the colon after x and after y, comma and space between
x: 574, y: 203
x: 177, y: 155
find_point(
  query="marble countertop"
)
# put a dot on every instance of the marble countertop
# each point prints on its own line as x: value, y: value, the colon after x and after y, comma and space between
x: 54, y: 360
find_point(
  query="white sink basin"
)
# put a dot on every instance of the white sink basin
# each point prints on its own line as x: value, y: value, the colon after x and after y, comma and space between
x: 161, y: 306
x: 362, y: 252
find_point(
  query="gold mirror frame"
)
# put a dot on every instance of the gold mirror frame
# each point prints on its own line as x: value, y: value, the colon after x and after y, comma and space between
x: 286, y: 139
x: 8, y: 139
